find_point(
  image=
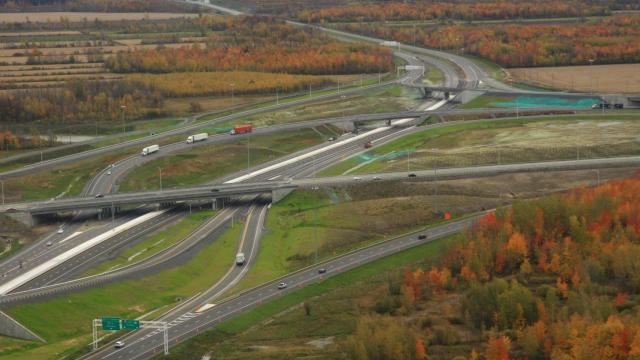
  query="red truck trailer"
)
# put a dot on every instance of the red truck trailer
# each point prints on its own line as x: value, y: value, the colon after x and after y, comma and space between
x: 241, y: 129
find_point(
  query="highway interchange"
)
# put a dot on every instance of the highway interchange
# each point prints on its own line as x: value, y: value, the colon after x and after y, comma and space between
x: 185, y: 319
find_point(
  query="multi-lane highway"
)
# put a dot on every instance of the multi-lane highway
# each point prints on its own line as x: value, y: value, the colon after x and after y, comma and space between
x: 193, y: 322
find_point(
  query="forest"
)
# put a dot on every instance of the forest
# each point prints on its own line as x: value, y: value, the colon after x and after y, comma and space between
x: 258, y: 44
x: 552, y: 278
x: 499, y: 10
x: 609, y: 40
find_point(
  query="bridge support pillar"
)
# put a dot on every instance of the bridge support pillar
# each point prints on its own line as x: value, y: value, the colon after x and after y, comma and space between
x: 105, y: 213
x: 23, y: 217
x: 279, y: 194
x: 166, y: 204
x: 427, y: 93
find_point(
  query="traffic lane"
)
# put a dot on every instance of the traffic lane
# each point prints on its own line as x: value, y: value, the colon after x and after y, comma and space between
x: 87, y: 257
x: 471, y: 172
x: 148, y: 346
x: 60, y: 243
x: 103, y: 252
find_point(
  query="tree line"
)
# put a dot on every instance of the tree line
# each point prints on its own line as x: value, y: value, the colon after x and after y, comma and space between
x: 257, y: 44
x: 609, y: 40
x: 490, y: 10
x: 81, y: 101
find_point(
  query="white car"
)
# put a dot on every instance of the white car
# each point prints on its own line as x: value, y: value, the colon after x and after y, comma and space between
x: 60, y: 231
x: 282, y: 286
x: 356, y: 178
x: 118, y: 344
x: 109, y: 172
x: 49, y: 243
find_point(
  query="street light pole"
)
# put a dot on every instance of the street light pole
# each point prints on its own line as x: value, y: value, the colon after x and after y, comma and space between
x: 124, y: 125
x: 160, y: 170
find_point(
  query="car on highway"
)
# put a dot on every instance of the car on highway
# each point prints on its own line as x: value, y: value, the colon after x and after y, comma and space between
x: 282, y: 286
x: 99, y: 196
x: 49, y: 243
x: 60, y: 231
x: 601, y: 105
x: 215, y: 190
x: 118, y: 344
x: 356, y: 178
x: 618, y: 106
x: 331, y: 139
x: 412, y: 175
x: 240, y: 259
x: 422, y: 236
x: 377, y: 178
x: 322, y: 271
x: 109, y: 172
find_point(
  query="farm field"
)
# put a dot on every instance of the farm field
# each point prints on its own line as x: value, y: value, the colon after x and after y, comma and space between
x: 618, y: 78
x: 87, y: 16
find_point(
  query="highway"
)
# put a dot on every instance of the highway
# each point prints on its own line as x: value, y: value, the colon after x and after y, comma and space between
x: 193, y: 322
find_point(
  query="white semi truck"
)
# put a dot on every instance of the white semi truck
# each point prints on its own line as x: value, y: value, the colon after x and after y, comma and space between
x: 197, y: 137
x: 150, y: 150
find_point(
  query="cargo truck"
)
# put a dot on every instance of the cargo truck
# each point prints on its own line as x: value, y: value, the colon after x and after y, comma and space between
x: 241, y: 129
x: 240, y: 259
x: 197, y: 137
x: 150, y: 150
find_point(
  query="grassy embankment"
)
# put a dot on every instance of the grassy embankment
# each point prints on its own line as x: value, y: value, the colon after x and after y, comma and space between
x: 65, y: 322
x: 505, y: 141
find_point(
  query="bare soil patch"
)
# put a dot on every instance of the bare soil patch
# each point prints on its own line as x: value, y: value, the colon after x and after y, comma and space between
x: 623, y: 78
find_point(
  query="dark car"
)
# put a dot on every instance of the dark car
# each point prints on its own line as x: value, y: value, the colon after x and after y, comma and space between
x: 215, y: 190
x: 322, y: 271
x: 422, y: 236
x: 618, y: 106
x: 412, y: 175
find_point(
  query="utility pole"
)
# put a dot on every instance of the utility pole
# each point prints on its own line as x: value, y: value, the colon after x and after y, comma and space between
x: 160, y: 171
x: 232, y: 86
x: 2, y: 182
x: 277, y: 97
x: 309, y: 89
x: 248, y: 154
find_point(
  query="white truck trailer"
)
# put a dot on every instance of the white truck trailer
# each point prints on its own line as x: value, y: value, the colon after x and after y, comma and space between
x: 197, y: 137
x: 150, y: 150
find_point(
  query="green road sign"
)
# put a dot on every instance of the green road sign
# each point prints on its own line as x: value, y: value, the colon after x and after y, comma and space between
x: 131, y: 324
x: 110, y: 323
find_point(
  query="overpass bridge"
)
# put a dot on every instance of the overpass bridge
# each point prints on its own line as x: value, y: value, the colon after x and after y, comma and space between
x: 108, y: 204
x: 279, y: 189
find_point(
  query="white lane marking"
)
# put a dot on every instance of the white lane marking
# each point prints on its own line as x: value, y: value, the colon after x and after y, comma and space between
x: 50, y: 264
x: 71, y: 236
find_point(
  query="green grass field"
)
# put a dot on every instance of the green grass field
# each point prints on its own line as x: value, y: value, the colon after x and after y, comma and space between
x: 67, y: 320
x: 206, y: 163
x: 169, y: 235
